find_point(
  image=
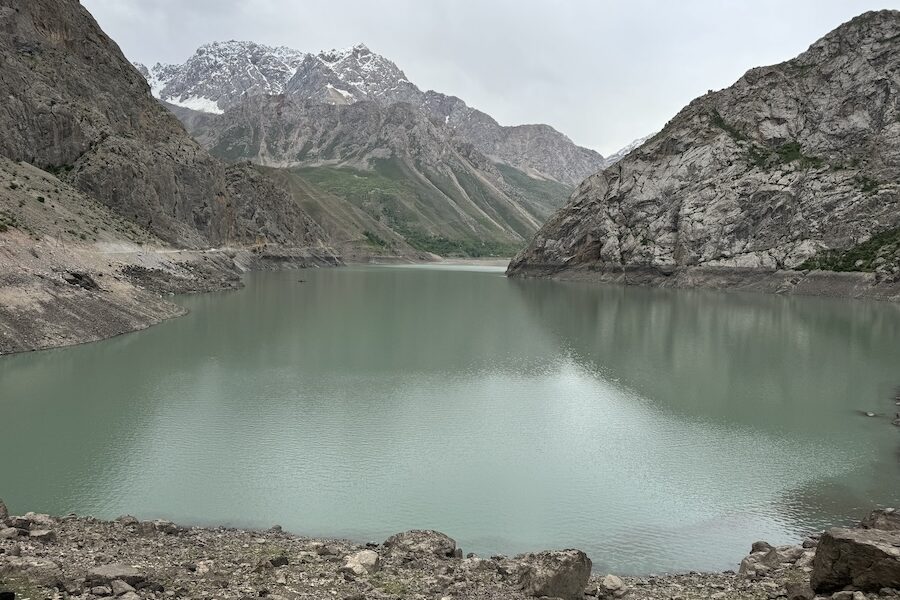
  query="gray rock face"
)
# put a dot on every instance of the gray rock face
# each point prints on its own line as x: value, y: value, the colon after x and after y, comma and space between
x: 557, y: 574
x: 887, y: 519
x: 430, y: 181
x: 87, y: 115
x: 220, y: 74
x: 791, y: 161
x: 422, y: 542
x: 4, y: 512
x: 867, y: 559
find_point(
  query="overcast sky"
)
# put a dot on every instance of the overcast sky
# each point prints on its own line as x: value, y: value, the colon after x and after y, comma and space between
x: 604, y: 72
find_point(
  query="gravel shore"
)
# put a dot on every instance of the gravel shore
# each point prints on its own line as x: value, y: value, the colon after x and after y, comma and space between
x: 86, y: 558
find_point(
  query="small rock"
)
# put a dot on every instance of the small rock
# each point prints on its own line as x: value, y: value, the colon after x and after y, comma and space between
x: 797, y: 590
x: 42, y: 535
x: 611, y: 586
x: 128, y: 521
x: 129, y: 596
x: 101, y: 590
x: 279, y: 561
x: 9, y: 533
x: 108, y: 573
x: 120, y: 587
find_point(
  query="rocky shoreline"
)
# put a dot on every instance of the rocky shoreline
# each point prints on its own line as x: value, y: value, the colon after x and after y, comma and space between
x: 832, y: 284
x: 90, y: 559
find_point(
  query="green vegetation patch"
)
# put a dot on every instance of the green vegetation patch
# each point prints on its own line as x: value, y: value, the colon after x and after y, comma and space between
x: 385, y: 192
x: 860, y: 257
x: 7, y: 221
x: 866, y: 183
x: 785, y: 154
x: 551, y: 194
x: 461, y: 248
x: 719, y: 121
x: 375, y: 240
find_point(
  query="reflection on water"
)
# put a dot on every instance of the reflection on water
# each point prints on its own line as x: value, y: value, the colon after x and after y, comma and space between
x: 656, y: 429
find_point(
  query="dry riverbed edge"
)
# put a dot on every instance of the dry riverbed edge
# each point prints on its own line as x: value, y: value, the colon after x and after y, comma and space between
x: 127, y: 559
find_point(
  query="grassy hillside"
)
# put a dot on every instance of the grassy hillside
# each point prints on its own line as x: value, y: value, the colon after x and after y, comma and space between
x: 413, y: 206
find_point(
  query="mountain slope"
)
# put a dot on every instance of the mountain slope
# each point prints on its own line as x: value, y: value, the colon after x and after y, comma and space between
x: 792, y: 162
x: 215, y: 78
x: 393, y: 163
x: 76, y: 107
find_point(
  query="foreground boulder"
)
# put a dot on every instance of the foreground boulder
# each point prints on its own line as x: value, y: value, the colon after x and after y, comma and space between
x: 38, y: 571
x: 423, y: 542
x: 364, y: 562
x: 887, y: 519
x: 866, y: 559
x: 556, y: 573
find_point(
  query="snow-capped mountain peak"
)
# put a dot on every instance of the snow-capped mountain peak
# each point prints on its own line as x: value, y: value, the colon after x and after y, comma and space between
x: 219, y: 73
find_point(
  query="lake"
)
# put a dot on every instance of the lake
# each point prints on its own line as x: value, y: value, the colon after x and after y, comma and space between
x: 658, y: 430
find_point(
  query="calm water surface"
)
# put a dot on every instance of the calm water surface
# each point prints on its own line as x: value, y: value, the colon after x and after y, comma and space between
x: 657, y: 430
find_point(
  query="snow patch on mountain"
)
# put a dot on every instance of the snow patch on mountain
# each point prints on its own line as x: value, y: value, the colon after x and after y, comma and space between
x: 622, y: 153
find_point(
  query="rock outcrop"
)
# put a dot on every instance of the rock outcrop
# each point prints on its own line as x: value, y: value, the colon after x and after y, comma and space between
x: 865, y: 559
x: 793, y: 168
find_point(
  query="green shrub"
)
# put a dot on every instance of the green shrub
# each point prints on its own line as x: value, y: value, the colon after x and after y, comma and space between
x: 731, y: 130
x: 885, y: 243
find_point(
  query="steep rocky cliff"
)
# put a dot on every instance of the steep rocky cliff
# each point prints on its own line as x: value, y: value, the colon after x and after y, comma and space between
x: 74, y: 106
x: 795, y: 166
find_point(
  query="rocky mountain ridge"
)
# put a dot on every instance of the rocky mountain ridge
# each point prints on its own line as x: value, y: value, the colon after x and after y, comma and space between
x: 794, y: 167
x: 218, y: 74
x: 391, y: 162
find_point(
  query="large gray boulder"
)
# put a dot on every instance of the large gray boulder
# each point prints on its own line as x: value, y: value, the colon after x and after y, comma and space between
x: 364, y: 562
x: 866, y: 559
x: 38, y: 571
x: 423, y: 542
x: 887, y: 519
x: 555, y: 573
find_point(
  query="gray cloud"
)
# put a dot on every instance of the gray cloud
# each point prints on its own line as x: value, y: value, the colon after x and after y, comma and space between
x: 603, y: 72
